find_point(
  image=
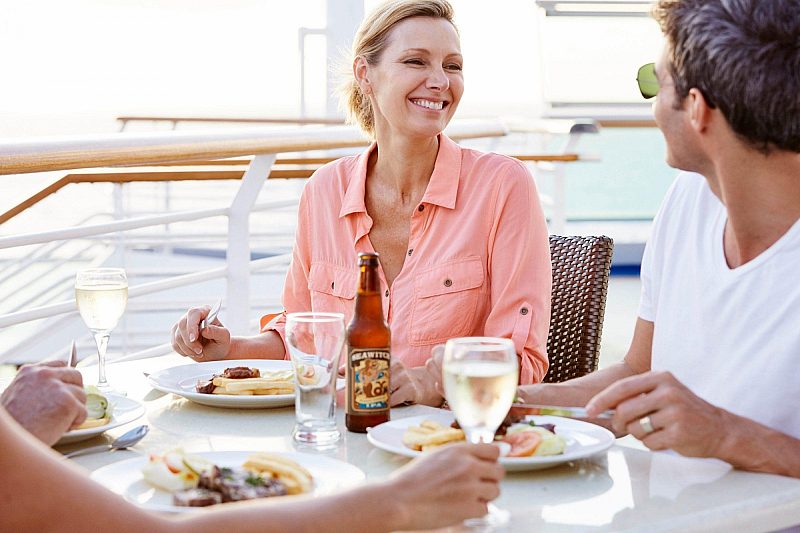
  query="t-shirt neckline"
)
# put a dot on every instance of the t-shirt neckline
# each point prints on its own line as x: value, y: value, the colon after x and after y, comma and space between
x: 719, y: 246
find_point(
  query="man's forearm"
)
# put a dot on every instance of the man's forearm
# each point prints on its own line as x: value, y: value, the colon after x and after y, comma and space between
x: 263, y: 346
x: 754, y: 447
x: 575, y: 392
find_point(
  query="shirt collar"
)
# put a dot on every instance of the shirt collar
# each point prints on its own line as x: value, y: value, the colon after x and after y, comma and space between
x: 442, y: 187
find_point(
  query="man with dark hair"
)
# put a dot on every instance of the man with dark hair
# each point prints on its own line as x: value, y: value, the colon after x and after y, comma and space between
x: 712, y: 369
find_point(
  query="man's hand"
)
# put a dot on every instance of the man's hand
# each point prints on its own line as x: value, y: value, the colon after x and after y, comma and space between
x: 209, y: 344
x: 47, y: 399
x: 660, y: 411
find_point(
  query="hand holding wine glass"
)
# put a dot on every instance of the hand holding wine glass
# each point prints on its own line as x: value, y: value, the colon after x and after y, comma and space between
x: 480, y: 382
x: 101, y: 295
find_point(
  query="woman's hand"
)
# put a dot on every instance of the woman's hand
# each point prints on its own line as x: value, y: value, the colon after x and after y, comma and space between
x: 422, y: 385
x: 663, y: 413
x: 447, y: 486
x: 210, y: 344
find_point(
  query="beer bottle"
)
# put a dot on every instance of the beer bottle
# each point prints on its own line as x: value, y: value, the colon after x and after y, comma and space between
x: 368, y: 359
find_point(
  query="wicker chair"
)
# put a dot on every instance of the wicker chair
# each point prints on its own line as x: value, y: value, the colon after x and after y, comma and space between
x: 581, y: 267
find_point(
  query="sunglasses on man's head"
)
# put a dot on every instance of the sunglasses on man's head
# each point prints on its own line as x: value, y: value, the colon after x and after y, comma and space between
x: 647, y: 80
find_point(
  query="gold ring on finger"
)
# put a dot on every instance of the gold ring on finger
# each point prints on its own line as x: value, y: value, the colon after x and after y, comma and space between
x: 646, y: 425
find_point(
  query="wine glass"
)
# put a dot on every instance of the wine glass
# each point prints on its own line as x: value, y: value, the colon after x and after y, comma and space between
x: 480, y: 381
x: 101, y: 295
x: 315, y: 342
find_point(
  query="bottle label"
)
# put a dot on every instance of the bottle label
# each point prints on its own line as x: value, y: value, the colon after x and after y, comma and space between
x: 369, y: 386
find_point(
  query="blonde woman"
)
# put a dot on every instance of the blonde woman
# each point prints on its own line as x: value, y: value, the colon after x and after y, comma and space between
x: 461, y: 235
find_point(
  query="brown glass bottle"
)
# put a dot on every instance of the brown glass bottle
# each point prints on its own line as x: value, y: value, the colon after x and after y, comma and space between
x: 368, y: 357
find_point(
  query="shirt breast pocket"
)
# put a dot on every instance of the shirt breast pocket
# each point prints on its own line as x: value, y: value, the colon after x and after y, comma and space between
x: 332, y: 289
x: 445, y: 299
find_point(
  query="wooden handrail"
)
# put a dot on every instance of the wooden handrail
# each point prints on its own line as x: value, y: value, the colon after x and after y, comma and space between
x: 18, y: 157
x: 247, y: 161
x: 199, y: 171
x: 627, y: 123
x: 239, y: 120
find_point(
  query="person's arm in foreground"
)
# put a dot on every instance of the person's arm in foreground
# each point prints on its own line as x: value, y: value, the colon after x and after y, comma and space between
x: 41, y: 491
x: 46, y: 399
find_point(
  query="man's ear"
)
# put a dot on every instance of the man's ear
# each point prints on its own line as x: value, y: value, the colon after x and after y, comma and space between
x: 699, y: 110
x: 361, y: 71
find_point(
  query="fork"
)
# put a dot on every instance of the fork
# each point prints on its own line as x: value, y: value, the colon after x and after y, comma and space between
x: 211, y: 315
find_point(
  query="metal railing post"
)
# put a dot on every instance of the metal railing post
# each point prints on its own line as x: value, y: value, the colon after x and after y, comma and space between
x: 238, y: 256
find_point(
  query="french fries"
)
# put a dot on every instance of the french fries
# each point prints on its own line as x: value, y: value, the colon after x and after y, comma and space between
x: 297, y: 479
x: 278, y: 382
x: 430, y: 435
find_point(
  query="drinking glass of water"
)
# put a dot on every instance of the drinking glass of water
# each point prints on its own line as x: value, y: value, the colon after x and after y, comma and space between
x: 315, y: 342
x: 101, y: 294
x: 480, y: 382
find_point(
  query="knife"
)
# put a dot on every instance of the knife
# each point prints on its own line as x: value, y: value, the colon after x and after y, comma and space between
x: 556, y: 410
x: 72, y: 360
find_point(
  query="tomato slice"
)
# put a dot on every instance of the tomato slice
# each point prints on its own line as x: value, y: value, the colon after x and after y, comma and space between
x: 523, y: 443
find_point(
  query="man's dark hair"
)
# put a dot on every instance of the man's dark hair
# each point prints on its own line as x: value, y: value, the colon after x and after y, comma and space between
x: 744, y: 56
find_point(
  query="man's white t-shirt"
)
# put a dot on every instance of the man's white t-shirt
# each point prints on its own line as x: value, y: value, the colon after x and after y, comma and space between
x: 731, y: 335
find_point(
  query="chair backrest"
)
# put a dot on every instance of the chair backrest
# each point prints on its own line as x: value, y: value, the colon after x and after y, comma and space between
x: 581, y: 266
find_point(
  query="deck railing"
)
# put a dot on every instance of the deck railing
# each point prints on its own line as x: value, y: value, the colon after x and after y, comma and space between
x: 259, y: 145
x: 249, y: 155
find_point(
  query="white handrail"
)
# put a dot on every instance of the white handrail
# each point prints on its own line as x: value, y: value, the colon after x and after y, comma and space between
x: 69, y: 306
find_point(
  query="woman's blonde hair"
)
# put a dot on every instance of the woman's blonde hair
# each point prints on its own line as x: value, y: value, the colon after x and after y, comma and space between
x: 370, y: 42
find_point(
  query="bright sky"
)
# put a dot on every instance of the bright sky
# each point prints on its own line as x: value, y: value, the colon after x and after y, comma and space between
x: 71, y: 67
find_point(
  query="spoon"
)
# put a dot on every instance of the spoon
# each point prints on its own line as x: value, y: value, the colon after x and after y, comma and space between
x: 126, y: 440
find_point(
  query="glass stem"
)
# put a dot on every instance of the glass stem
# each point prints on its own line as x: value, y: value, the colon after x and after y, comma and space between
x: 480, y: 436
x: 101, y: 338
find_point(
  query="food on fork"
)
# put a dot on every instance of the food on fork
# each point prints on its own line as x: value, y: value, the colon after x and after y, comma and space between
x: 245, y: 381
x: 98, y: 409
x: 429, y: 435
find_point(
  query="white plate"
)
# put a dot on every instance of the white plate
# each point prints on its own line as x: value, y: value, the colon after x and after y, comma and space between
x: 125, y: 410
x: 583, y: 439
x: 125, y: 477
x: 181, y: 380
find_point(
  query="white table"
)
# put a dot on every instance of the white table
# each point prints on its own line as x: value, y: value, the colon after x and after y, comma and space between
x: 627, y: 489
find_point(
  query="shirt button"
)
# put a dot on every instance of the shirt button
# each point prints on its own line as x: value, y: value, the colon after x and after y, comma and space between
x: 411, y: 251
x: 387, y: 293
x: 448, y: 282
x: 421, y: 208
x: 523, y: 311
x: 333, y: 283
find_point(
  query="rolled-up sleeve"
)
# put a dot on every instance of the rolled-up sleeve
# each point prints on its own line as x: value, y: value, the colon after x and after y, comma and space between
x: 520, y: 271
x: 296, y: 297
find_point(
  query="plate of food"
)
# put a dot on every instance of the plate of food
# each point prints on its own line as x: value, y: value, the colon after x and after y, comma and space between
x: 104, y: 412
x: 177, y: 481
x: 242, y: 384
x: 531, y: 442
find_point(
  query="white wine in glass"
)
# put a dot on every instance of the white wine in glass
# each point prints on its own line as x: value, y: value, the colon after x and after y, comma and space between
x: 480, y: 382
x: 101, y: 295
